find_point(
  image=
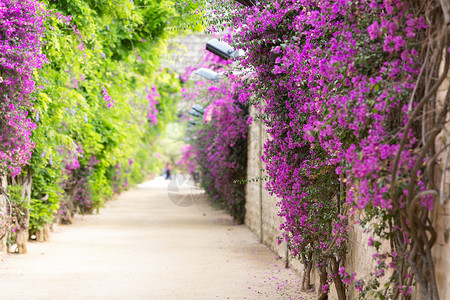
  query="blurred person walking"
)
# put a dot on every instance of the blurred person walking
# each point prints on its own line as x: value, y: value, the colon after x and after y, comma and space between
x: 168, y: 169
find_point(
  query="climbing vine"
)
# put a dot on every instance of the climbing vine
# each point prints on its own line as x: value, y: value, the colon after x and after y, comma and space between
x: 348, y: 93
x: 218, y: 138
x: 21, y: 31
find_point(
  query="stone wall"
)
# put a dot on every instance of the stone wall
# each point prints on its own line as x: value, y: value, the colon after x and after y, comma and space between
x: 261, y: 208
x: 441, y: 217
x: 441, y: 250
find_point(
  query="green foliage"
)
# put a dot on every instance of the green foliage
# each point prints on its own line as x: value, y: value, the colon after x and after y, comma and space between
x: 16, y: 198
x: 105, y: 46
x: 46, y: 193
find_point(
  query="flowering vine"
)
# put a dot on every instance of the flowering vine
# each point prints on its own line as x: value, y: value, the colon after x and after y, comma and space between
x: 21, y: 30
x: 152, y: 103
x: 340, y: 88
x: 218, y: 139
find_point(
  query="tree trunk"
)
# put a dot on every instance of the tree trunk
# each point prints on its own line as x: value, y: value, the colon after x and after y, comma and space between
x: 3, y: 212
x: 69, y: 205
x: 338, y: 284
x: 306, y: 281
x: 24, y: 220
x: 323, y: 275
x: 43, y: 235
x: 22, y: 238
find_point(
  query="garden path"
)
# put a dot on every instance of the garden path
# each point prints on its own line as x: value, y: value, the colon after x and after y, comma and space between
x: 142, y: 246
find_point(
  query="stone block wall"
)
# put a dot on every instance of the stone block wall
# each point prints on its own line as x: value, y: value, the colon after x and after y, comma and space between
x: 441, y: 250
x: 441, y: 217
x: 261, y: 208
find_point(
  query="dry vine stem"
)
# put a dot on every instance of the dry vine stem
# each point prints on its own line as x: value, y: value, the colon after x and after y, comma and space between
x: 430, y: 114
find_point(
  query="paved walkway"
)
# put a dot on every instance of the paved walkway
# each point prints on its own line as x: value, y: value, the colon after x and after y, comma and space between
x: 142, y: 246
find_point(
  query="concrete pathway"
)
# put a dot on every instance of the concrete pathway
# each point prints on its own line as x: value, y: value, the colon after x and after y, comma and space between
x: 143, y: 246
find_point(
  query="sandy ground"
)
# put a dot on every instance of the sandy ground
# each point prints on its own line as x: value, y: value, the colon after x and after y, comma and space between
x: 143, y: 246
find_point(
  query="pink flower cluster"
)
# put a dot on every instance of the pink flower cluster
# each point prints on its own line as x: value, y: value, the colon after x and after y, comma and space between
x: 152, y: 103
x: 21, y: 29
x: 333, y: 80
x: 107, y: 97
